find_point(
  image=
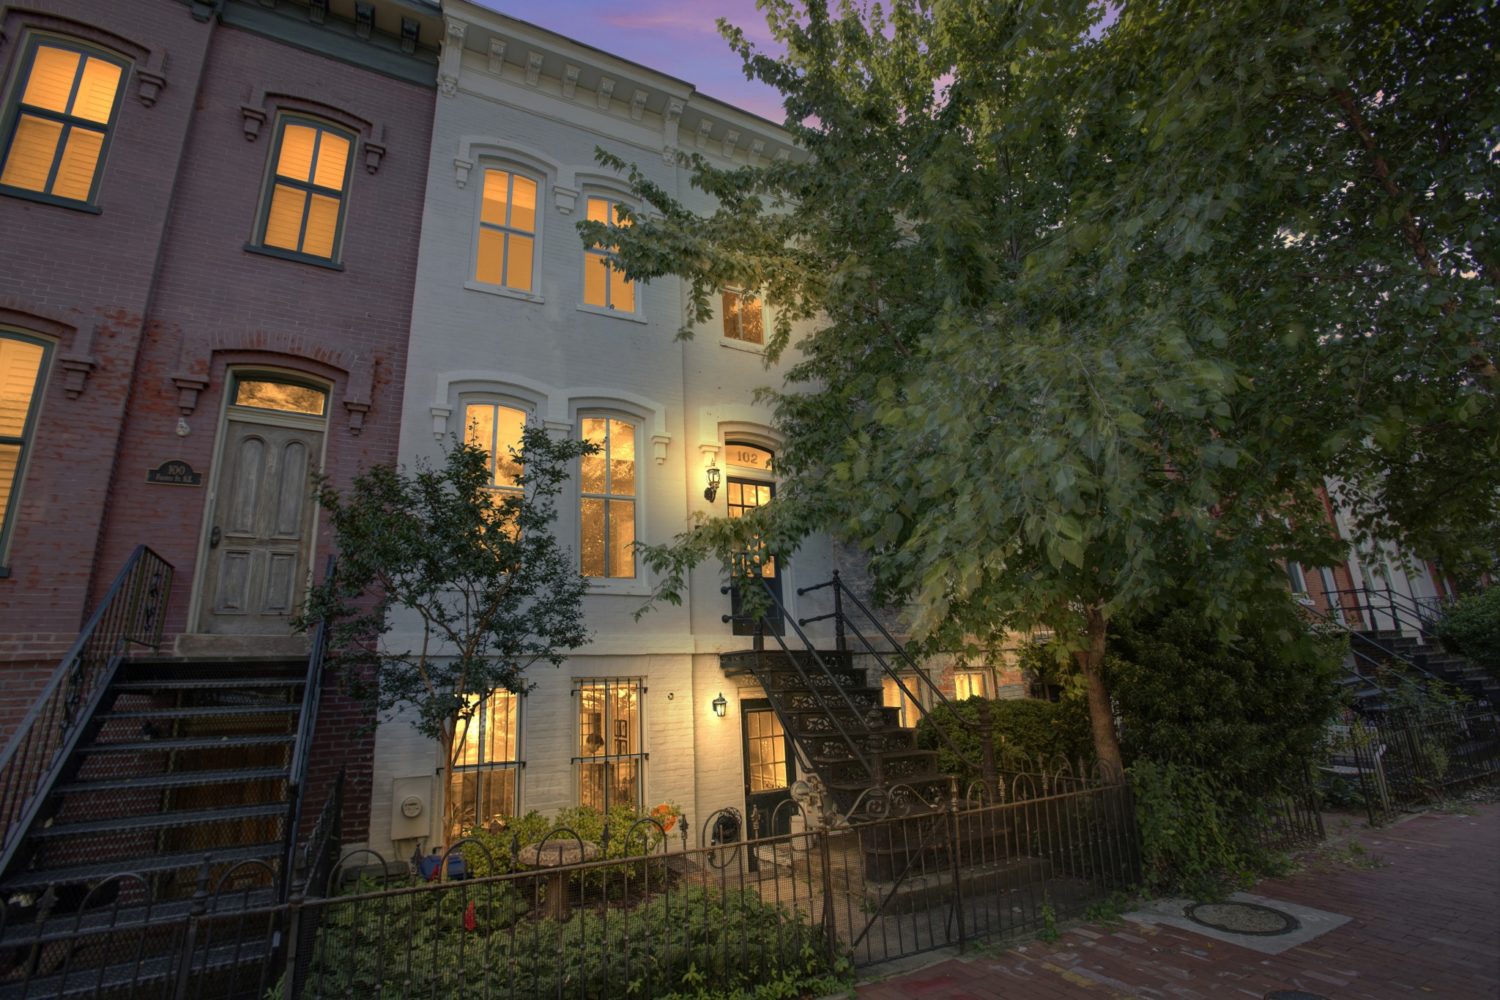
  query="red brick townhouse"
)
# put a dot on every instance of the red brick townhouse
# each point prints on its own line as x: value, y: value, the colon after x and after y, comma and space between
x: 209, y: 214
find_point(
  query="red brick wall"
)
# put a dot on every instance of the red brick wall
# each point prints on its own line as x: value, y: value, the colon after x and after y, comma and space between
x: 84, y: 280
x: 211, y: 304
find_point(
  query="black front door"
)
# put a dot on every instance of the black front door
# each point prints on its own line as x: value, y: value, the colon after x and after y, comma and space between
x: 770, y: 769
x: 745, y: 495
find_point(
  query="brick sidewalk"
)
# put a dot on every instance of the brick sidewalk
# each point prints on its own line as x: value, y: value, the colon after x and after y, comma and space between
x: 1426, y: 922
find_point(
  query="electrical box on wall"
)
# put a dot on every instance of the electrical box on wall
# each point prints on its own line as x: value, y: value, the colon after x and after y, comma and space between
x: 411, y: 808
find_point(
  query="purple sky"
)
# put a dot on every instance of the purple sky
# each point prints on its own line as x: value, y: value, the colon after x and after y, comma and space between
x: 674, y: 37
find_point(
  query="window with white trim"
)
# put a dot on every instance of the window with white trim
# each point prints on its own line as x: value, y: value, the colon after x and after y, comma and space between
x: 603, y: 286
x: 58, y: 122
x: 496, y: 429
x: 505, y: 248
x: 892, y: 696
x: 610, y: 759
x: 607, y: 494
x: 484, y: 782
x: 744, y: 319
x: 23, y: 367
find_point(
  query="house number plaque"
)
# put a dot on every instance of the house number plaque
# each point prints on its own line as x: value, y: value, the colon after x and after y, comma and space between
x: 174, y: 473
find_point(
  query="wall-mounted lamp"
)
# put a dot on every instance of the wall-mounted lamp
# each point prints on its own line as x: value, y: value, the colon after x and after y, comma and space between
x: 713, y: 484
x: 720, y: 705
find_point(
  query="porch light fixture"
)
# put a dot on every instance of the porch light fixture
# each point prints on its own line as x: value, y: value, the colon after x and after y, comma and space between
x: 712, y: 491
x: 720, y: 705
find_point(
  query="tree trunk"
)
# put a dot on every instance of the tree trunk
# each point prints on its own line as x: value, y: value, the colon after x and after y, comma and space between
x: 1101, y: 715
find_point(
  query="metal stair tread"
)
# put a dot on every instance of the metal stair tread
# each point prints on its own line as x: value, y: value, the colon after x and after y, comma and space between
x: 63, y: 926
x: 42, y: 877
x: 93, y: 981
x: 190, y: 743
x: 174, y: 779
x: 206, y: 683
x: 161, y: 819
x: 196, y: 712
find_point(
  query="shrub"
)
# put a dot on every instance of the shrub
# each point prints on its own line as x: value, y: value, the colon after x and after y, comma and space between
x: 491, y: 852
x: 1249, y: 708
x: 1194, y: 831
x: 1025, y: 729
x: 697, y: 942
x: 1471, y: 627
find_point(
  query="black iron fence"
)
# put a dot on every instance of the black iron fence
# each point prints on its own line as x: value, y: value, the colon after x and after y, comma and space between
x: 896, y: 876
x: 1406, y: 759
x: 131, y: 613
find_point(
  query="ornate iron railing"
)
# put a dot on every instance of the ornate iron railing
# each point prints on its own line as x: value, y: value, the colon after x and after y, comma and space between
x: 131, y: 613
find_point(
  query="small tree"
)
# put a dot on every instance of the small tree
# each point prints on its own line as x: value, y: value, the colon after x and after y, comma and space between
x: 478, y: 568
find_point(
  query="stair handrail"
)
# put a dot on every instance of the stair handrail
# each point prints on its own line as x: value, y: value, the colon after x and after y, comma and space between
x: 302, y: 749
x: 761, y: 624
x: 132, y: 611
x: 1327, y: 618
x: 843, y: 624
x: 1396, y: 605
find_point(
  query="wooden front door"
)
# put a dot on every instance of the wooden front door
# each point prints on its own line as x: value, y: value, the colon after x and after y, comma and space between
x: 770, y: 769
x: 260, y: 529
x: 745, y: 495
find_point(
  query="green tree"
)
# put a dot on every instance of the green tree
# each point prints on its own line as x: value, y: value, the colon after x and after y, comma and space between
x: 477, y: 568
x: 1094, y: 309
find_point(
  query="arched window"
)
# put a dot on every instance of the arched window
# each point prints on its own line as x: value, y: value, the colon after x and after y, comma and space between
x: 505, y: 248
x: 496, y: 429
x: 607, y: 497
x: 603, y: 286
x: 302, y: 214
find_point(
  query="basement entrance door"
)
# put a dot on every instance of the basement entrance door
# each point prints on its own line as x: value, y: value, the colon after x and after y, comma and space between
x: 770, y: 769
x: 261, y: 513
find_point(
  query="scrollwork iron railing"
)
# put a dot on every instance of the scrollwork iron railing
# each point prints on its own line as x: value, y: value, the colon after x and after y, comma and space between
x: 131, y: 614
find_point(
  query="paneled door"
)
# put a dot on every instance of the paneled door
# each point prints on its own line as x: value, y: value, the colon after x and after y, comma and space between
x: 770, y: 768
x: 261, y: 524
x: 754, y: 564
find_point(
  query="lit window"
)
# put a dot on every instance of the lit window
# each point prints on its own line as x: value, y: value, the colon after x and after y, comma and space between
x: 892, y: 696
x: 602, y: 285
x: 743, y: 318
x: 269, y: 393
x: 610, y: 759
x: 23, y: 364
x: 607, y: 499
x: 496, y: 430
x: 1296, y: 579
x: 304, y: 203
x: 59, y: 124
x: 970, y: 684
x: 506, y: 247
x: 482, y: 785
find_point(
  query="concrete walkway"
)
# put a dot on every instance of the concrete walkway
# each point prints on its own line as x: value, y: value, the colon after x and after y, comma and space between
x: 1422, y: 898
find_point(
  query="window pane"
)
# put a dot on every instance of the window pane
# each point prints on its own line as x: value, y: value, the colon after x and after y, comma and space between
x: 622, y: 716
x: 322, y: 226
x: 736, y: 498
x: 598, y: 210
x: 518, y: 264
x: 731, y: 310
x: 621, y: 292
x: 510, y: 425
x: 622, y: 538
x: 500, y: 728
x: 748, y: 455
x: 621, y: 458
x: 20, y: 363
x: 333, y: 157
x: 492, y: 206
x: 590, y: 720
x: 595, y: 277
x: 285, y: 396
x: 31, y: 153
x: 295, y: 160
x: 487, y: 267
x: 284, y: 221
x: 625, y: 782
x: 75, y: 174
x: 523, y: 204
x: 752, y: 322
x: 592, y: 467
x: 591, y: 785
x: 466, y: 741
x: 51, y: 79
x: 96, y: 92
x: 10, y: 458
x: 479, y: 429
x: 591, y: 536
